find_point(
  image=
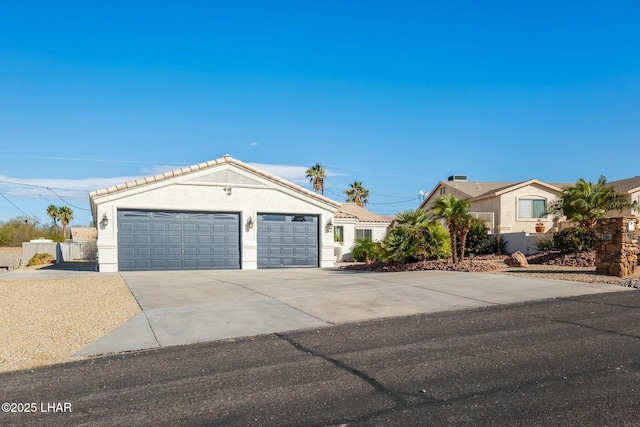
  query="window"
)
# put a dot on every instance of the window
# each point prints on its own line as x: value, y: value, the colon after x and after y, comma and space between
x: 531, y: 208
x: 442, y: 191
x: 364, y: 233
x: 338, y: 234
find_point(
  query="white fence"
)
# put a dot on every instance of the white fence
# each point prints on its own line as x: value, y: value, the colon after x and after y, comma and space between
x: 76, y: 251
x: 64, y: 252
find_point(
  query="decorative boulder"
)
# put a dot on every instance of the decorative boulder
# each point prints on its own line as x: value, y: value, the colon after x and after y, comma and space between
x: 517, y: 260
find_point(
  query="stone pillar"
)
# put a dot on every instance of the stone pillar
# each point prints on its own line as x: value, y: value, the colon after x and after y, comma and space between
x: 617, y: 246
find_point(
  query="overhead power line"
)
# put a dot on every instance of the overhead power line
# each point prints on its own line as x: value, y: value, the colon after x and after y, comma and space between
x: 15, y: 206
x: 42, y: 186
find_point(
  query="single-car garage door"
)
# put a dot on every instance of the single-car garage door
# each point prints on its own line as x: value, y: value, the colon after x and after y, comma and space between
x: 287, y: 240
x: 168, y: 240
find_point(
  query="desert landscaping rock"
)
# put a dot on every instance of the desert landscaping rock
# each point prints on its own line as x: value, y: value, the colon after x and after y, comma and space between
x: 46, y: 321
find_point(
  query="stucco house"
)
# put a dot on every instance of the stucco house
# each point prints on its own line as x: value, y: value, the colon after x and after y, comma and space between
x: 509, y: 208
x: 514, y: 209
x: 631, y: 188
x: 353, y: 222
x: 221, y: 214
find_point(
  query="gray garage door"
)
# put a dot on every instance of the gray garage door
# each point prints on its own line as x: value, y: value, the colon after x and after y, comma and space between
x: 287, y: 240
x: 154, y: 240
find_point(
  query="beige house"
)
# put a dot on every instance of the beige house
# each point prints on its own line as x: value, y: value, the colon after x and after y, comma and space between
x: 515, y: 209
x: 630, y: 187
x: 353, y: 222
x: 507, y: 207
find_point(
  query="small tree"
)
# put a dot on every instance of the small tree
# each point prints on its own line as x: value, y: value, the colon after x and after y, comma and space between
x: 456, y: 213
x: 586, y: 202
x: 367, y: 250
x: 478, y: 235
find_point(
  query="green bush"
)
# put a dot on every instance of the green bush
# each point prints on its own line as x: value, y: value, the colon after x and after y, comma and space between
x: 575, y: 240
x: 413, y: 242
x: 546, y: 243
x: 367, y: 250
x: 477, y: 237
x: 40, y: 259
x: 494, y: 245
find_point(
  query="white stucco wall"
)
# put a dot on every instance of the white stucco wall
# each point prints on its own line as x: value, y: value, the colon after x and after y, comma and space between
x: 184, y: 194
x: 378, y: 233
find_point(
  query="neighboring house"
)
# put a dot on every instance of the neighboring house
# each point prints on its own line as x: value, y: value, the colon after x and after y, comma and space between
x: 509, y: 208
x: 353, y: 222
x: 222, y: 214
x: 514, y: 208
x: 83, y: 234
x: 631, y: 188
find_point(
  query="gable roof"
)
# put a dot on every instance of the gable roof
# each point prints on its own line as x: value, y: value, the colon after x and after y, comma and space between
x: 628, y: 185
x: 351, y: 210
x: 227, y: 159
x: 482, y: 189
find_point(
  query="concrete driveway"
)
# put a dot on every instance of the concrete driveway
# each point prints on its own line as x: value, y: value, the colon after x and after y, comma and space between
x: 184, y: 307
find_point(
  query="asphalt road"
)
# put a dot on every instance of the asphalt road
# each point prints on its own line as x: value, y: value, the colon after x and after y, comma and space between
x: 562, y: 362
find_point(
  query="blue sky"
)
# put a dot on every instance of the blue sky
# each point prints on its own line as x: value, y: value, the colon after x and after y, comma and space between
x: 398, y: 95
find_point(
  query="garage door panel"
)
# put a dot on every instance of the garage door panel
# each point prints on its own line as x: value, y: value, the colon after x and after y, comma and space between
x: 287, y: 240
x: 177, y: 240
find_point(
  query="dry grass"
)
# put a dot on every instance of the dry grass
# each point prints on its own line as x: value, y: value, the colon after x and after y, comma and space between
x: 46, y: 321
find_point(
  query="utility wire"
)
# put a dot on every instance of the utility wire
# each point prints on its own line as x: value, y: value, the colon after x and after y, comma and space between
x: 15, y: 206
x: 73, y: 206
x: 43, y: 186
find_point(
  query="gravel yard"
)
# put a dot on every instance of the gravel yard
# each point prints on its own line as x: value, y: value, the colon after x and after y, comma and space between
x: 46, y: 321
x: 576, y: 274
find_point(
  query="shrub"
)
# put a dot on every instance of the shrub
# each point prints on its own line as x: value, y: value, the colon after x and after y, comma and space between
x: 575, y: 240
x: 477, y: 237
x: 494, y: 245
x: 367, y: 250
x: 39, y: 259
x: 407, y: 243
x: 545, y: 243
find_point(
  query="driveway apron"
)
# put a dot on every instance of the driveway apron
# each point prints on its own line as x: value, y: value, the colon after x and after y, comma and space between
x: 185, y: 307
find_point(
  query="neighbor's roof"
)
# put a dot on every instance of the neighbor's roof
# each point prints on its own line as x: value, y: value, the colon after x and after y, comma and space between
x: 351, y: 210
x: 206, y: 165
x: 626, y: 185
x: 83, y: 234
x: 478, y: 189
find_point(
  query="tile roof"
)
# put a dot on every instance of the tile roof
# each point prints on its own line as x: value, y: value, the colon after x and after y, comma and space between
x: 351, y: 210
x: 475, y: 189
x: 83, y: 234
x: 206, y: 165
x: 626, y: 185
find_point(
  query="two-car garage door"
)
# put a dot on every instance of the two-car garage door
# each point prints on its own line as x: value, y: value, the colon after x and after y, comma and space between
x: 168, y: 240
x: 171, y: 240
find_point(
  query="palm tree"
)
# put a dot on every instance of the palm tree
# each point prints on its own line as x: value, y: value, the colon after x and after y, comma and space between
x: 456, y: 213
x: 586, y: 202
x: 316, y: 175
x: 65, y: 214
x: 357, y: 194
x: 52, y: 212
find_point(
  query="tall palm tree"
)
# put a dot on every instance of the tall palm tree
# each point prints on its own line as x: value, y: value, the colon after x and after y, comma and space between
x: 52, y: 212
x: 316, y: 175
x: 586, y: 202
x: 357, y: 194
x: 456, y: 213
x: 65, y: 214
